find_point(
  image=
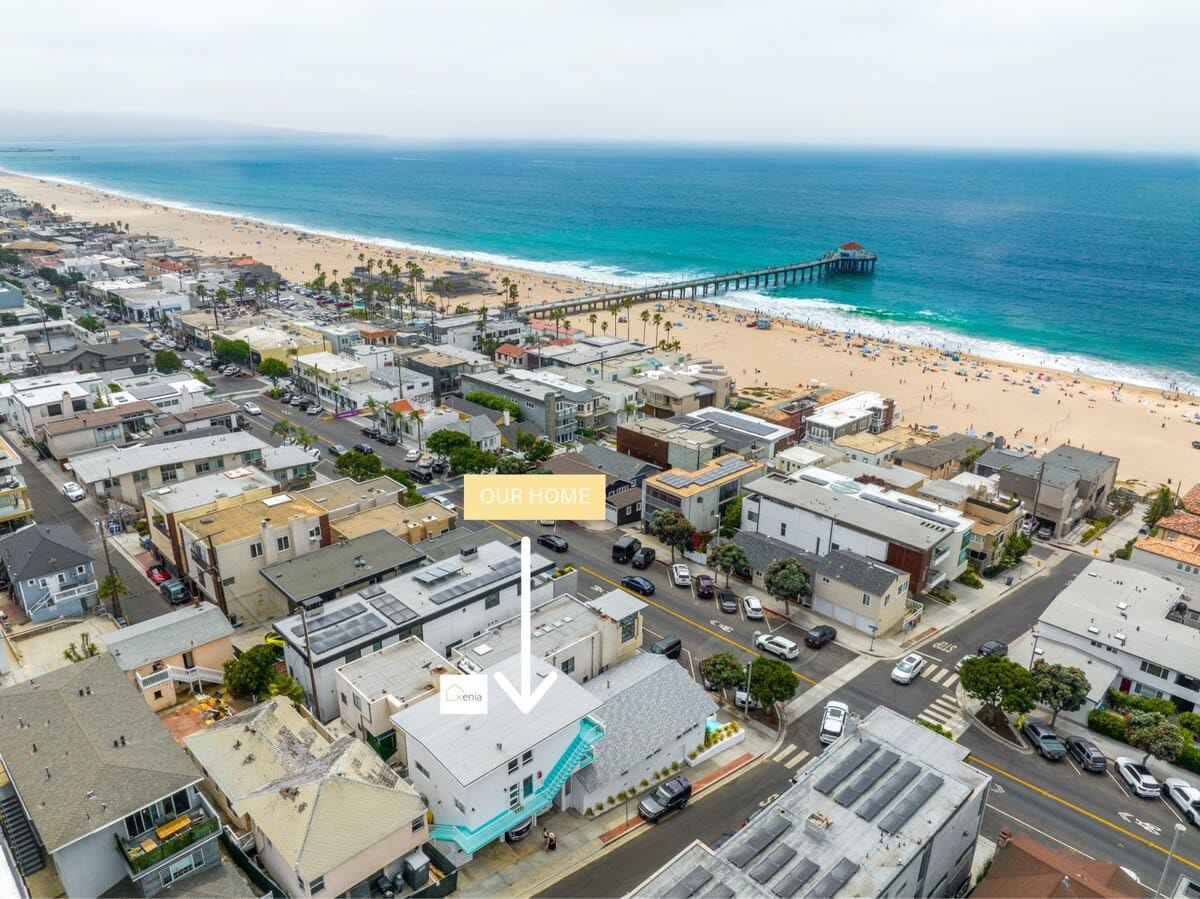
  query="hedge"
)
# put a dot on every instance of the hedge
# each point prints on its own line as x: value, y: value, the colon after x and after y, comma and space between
x: 1108, y: 723
x: 1130, y: 702
x: 1189, y: 758
x: 936, y: 728
x: 1190, y: 721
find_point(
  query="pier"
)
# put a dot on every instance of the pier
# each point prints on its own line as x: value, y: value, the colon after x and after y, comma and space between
x: 848, y: 259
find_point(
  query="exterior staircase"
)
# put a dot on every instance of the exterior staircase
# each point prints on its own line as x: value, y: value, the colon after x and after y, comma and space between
x: 579, y: 753
x: 19, y: 836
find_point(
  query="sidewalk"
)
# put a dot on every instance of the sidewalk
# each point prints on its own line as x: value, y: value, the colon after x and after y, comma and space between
x: 525, y: 868
x: 936, y: 617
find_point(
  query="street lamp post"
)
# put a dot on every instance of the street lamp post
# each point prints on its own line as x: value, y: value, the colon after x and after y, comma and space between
x: 1033, y: 655
x: 1179, y: 828
x: 873, y: 628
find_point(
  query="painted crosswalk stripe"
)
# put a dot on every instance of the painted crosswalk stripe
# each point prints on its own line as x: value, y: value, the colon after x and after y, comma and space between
x: 796, y: 760
x: 937, y: 678
x: 937, y: 716
x: 785, y: 752
x: 928, y: 670
x: 950, y: 681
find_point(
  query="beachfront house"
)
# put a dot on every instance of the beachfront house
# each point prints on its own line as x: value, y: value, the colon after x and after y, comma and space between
x: 1172, y: 551
x: 50, y: 570
x: 560, y: 407
x: 942, y: 458
x: 96, y: 785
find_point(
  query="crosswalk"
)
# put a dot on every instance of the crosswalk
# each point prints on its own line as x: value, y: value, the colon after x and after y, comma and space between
x: 941, y: 711
x: 794, y: 760
x: 944, y: 677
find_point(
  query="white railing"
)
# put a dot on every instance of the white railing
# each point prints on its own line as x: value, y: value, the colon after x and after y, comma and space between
x: 193, y: 676
x: 74, y: 592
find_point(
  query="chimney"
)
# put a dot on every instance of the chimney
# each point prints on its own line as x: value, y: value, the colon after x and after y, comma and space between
x: 507, y: 418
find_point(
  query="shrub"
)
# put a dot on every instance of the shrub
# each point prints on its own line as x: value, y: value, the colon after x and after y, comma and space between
x: 645, y: 783
x: 1189, y: 758
x: 622, y: 796
x: 1190, y: 721
x: 588, y: 812
x: 1108, y: 723
x: 692, y: 755
x: 675, y: 765
x: 1128, y: 702
x: 970, y: 578
x: 936, y: 728
x: 611, y: 799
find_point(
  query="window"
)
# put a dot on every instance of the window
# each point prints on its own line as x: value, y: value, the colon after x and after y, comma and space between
x: 628, y: 628
x: 418, y: 824
x: 256, y: 549
x: 568, y: 666
x: 142, y: 475
x: 54, y: 409
x: 527, y: 757
x: 527, y: 786
x: 357, y: 702
x: 79, y: 405
x: 170, y: 472
x: 491, y: 600
x: 376, y: 646
x: 80, y: 569
x: 343, y: 696
x: 751, y: 514
x: 513, y: 765
x: 1156, y: 670
x: 462, y: 808
x: 318, y: 885
x: 421, y: 768
x: 783, y: 529
x: 158, y: 694
x: 833, y: 547
x: 866, y: 600
x: 284, y: 542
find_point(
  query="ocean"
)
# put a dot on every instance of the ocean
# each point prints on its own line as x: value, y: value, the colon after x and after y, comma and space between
x: 1070, y: 262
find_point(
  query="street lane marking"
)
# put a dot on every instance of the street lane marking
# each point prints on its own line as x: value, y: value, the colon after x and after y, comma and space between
x: 785, y: 752
x: 975, y: 760
x: 1028, y: 826
x: 950, y: 681
x: 937, y: 678
x: 796, y: 760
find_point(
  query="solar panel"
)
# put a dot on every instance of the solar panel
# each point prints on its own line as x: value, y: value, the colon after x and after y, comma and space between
x: 437, y: 573
x: 769, y: 866
x: 913, y: 800
x: 889, y: 791
x: 790, y: 883
x: 720, y: 891
x: 760, y: 429
x: 328, y: 620
x: 846, y: 766
x: 347, y: 632
x: 393, y: 608
x: 836, y: 879
x: 371, y: 591
x: 691, y: 884
x: 878, y: 767
x: 499, y: 572
x: 762, y: 837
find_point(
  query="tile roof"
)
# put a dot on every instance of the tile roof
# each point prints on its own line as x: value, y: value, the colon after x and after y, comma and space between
x: 42, y: 550
x: 321, y: 802
x: 1191, y: 500
x: 645, y: 681
x: 1182, y: 523
x: 841, y: 565
x: 167, y: 635
x: 94, y: 779
x: 1028, y: 868
x: 621, y: 465
x: 1181, y: 549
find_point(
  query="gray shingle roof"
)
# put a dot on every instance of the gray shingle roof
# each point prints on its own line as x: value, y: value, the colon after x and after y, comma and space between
x: 648, y: 701
x: 166, y: 635
x: 627, y: 468
x: 74, y: 735
x: 941, y: 451
x: 841, y: 565
x: 1087, y: 463
x: 42, y: 550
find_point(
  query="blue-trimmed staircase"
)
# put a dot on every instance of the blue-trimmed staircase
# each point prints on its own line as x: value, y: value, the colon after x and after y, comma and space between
x: 579, y: 753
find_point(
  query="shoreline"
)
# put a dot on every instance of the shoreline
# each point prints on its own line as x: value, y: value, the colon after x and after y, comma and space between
x: 994, y: 395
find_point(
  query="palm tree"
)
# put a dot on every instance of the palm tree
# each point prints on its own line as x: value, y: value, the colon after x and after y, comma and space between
x: 415, y: 416
x: 281, y: 428
x: 614, y: 310
x: 604, y: 327
x: 592, y: 319
x: 628, y: 304
x: 373, y: 406
x: 657, y: 321
x: 556, y: 316
x: 240, y: 286
x: 667, y: 328
x: 416, y: 275
x: 645, y: 321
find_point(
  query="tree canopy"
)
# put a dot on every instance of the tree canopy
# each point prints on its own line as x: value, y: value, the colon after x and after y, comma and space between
x: 729, y: 558
x: 536, y: 449
x: 1162, y: 504
x: 443, y: 441
x: 786, y: 579
x: 673, y: 529
x: 491, y: 401
x: 167, y: 362
x: 724, y: 670
x: 731, y: 518
x: 772, y: 680
x: 251, y: 673
x: 1155, y: 736
x: 999, y: 683
x: 231, y: 352
x: 89, y: 322
x: 470, y: 460
x: 273, y: 368
x: 359, y: 466
x: 1060, y: 688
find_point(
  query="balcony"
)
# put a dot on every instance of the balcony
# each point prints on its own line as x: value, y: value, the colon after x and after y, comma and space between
x: 169, y: 837
x: 193, y: 676
x: 69, y: 593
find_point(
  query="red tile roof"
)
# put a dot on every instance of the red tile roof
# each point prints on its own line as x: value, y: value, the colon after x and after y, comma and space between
x: 508, y: 349
x: 403, y: 406
x: 1033, y: 870
x: 1191, y: 500
x: 1182, y: 523
x: 851, y: 246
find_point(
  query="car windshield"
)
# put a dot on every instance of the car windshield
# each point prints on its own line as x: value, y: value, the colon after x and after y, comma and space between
x: 908, y: 664
x: 662, y: 795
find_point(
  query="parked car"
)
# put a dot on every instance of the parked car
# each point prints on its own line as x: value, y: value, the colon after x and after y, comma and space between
x: 297, y: 401
x: 752, y: 607
x: 158, y: 574
x: 777, y: 645
x: 387, y: 439
x: 623, y: 549
x: 174, y: 591
x: 336, y: 449
x: 251, y: 409
x: 681, y: 575
x: 908, y: 668
x: 667, y: 797
x: 371, y: 432
x: 637, y: 584
x: 285, y: 398
x: 365, y: 448
x: 1045, y: 532
x: 993, y: 648
x: 643, y: 558
x: 833, y: 720
x: 553, y: 542
x: 314, y: 409
x: 820, y: 636
x: 520, y: 832
x: 445, y: 503
x: 705, y: 587
x: 1044, y: 740
x: 708, y: 683
x: 412, y: 456
x: 744, y: 700
x: 958, y: 665
x: 1139, y: 780
x: 727, y: 602
x: 1184, y: 797
x: 1087, y: 754
x: 1029, y: 525
x: 73, y: 491
x: 230, y: 370
x: 437, y: 466
x: 420, y: 474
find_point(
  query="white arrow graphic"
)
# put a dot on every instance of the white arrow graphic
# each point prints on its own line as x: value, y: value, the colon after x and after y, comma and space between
x: 524, y: 699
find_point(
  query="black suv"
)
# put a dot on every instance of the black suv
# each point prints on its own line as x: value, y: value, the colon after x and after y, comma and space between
x: 1044, y: 740
x: 993, y: 648
x: 820, y: 635
x: 643, y: 558
x: 387, y: 439
x: 665, y: 798
x: 1087, y: 754
x: 553, y: 541
x: 373, y: 433
x: 365, y: 448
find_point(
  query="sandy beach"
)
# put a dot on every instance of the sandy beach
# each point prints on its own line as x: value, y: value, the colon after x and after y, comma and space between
x: 1041, y: 408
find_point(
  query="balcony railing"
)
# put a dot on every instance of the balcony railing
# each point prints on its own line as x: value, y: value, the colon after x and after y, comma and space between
x: 194, y: 675
x: 169, y: 838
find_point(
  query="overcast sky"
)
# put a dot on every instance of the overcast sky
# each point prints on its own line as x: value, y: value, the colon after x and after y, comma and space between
x: 1062, y: 74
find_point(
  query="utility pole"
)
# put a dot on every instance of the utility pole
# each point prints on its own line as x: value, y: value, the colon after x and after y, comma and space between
x: 102, y: 526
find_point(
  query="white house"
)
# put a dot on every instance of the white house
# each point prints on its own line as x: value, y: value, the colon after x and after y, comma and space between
x: 482, y: 775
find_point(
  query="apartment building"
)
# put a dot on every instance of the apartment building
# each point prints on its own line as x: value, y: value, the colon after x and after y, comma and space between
x: 30, y: 403
x: 560, y: 407
x: 997, y: 515
x: 820, y: 512
x: 739, y: 433
x: 323, y: 374
x: 701, y: 496
x: 115, y: 426
x: 16, y: 510
x: 125, y: 473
